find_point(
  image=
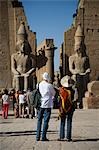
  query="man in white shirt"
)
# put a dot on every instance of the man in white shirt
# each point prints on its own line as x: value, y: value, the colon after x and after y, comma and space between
x: 47, y: 94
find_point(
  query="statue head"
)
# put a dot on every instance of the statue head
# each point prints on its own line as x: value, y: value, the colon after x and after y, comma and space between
x: 20, y: 46
x: 22, y: 43
x: 23, y: 47
x: 78, y: 38
x: 77, y: 47
x: 21, y: 33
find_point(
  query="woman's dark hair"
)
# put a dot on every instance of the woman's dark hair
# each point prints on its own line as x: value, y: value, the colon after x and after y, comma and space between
x: 5, y: 91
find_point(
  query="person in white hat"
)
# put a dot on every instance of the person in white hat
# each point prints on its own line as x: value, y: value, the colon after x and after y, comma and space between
x: 66, y: 107
x: 47, y: 94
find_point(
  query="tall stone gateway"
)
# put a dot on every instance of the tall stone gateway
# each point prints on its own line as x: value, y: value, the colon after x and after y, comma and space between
x: 87, y: 14
x: 11, y: 15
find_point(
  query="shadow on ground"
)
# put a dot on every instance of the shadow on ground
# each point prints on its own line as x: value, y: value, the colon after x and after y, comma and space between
x: 82, y: 140
x: 22, y: 133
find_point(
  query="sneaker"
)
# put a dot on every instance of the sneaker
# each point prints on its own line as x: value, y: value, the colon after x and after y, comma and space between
x: 68, y: 140
x: 45, y: 139
x: 37, y: 139
x: 60, y: 139
x: 27, y: 116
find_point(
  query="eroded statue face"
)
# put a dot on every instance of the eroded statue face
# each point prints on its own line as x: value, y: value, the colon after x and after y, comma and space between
x: 23, y: 47
x: 20, y: 46
x: 77, y: 47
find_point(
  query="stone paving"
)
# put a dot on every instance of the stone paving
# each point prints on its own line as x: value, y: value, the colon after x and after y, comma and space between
x: 19, y: 134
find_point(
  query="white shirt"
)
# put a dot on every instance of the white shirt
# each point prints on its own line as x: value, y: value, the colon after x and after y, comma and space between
x: 5, y: 99
x: 47, y: 94
x: 21, y: 99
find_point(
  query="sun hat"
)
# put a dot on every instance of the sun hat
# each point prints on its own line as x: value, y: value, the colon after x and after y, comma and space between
x: 46, y: 76
x: 65, y: 81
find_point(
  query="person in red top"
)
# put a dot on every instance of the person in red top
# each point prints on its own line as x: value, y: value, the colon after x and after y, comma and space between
x: 5, y: 102
x: 66, y: 107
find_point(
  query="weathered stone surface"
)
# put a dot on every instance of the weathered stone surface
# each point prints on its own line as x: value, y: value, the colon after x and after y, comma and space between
x: 45, y: 53
x: 5, y: 81
x: 91, y: 99
x: 87, y: 15
x: 11, y: 15
x: 20, y: 134
x: 23, y: 62
x: 91, y: 102
x: 93, y: 87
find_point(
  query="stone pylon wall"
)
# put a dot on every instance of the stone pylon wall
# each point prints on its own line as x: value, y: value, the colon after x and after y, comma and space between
x: 88, y: 15
x: 11, y: 14
x: 5, y: 74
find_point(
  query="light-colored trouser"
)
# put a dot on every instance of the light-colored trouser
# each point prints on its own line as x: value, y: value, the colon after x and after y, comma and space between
x: 21, y: 109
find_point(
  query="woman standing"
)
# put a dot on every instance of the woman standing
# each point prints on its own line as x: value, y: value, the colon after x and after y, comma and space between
x: 5, y: 101
x: 66, y: 108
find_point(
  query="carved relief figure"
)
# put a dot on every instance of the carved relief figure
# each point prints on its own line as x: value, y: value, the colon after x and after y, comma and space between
x: 79, y: 65
x: 22, y: 62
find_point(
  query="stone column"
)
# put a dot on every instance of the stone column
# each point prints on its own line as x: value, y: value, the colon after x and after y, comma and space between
x: 25, y: 83
x: 49, y: 53
x: 46, y: 55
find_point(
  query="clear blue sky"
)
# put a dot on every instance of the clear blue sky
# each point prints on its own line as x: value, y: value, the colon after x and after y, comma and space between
x: 49, y: 19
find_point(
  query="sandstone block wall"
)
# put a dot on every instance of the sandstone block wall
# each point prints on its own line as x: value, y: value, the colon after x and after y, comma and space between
x: 11, y: 14
x: 88, y: 15
x: 5, y: 74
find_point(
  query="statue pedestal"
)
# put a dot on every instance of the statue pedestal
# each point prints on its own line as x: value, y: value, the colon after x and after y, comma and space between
x: 91, y: 102
x: 91, y: 99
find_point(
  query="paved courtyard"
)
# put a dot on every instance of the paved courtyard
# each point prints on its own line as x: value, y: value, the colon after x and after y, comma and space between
x: 19, y: 134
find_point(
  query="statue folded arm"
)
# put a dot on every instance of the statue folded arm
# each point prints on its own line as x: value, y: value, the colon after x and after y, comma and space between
x: 13, y: 66
x: 71, y: 65
x: 29, y: 72
x: 79, y: 65
x: 87, y: 71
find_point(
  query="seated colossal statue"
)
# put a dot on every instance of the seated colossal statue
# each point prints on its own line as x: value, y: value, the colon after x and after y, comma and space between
x: 79, y: 66
x: 22, y: 65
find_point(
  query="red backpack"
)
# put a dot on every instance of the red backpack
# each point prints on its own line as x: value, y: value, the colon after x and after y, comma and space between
x: 65, y: 101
